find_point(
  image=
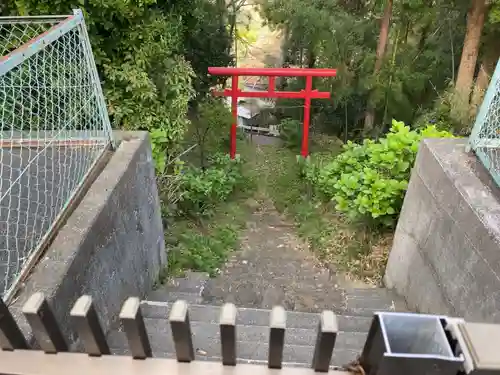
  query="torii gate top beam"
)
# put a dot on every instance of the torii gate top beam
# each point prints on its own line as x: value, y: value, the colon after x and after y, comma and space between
x: 270, y: 72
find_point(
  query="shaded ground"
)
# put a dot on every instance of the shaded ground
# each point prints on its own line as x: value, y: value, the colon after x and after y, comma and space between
x: 259, y: 139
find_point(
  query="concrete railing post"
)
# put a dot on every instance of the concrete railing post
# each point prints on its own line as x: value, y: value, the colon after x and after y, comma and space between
x: 133, y: 324
x: 44, y: 325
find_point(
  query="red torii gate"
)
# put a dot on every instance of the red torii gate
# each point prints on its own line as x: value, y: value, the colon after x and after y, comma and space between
x: 234, y: 92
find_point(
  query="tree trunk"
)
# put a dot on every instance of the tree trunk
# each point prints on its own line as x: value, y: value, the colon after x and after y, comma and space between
x: 393, y: 62
x: 465, y: 77
x: 384, y: 35
x: 407, y: 31
x: 381, y: 47
x: 287, y: 59
x: 483, y: 78
x: 423, y: 37
x: 311, y: 58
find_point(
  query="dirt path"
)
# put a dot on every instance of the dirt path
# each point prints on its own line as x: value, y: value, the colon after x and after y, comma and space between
x: 274, y: 266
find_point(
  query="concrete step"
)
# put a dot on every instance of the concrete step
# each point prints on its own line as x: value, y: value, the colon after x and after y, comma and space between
x: 254, y: 317
x: 169, y: 296
x: 366, y: 301
x: 191, y: 282
x: 198, y: 288
x: 252, y: 342
x: 257, y: 354
x: 252, y: 334
x: 189, y: 288
x: 205, y: 334
x: 358, y: 303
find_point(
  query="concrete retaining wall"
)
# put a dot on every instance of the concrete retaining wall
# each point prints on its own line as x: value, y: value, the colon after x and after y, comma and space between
x: 111, y: 246
x: 446, y: 254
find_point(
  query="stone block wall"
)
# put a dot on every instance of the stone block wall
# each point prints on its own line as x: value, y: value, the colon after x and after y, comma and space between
x: 446, y: 254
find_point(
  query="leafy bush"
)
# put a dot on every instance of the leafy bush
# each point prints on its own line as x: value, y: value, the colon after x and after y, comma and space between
x: 152, y: 58
x: 201, y: 252
x: 210, y: 128
x: 444, y: 117
x: 291, y: 133
x: 202, y: 189
x: 370, y: 179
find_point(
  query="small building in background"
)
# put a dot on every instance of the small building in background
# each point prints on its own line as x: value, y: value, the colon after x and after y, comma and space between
x: 256, y: 115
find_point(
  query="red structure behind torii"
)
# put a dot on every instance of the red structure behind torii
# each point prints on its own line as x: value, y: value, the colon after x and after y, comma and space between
x: 234, y: 92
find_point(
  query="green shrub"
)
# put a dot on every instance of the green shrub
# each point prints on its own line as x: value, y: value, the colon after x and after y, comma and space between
x: 444, y: 117
x: 291, y: 133
x: 210, y: 128
x: 369, y: 180
x: 202, y: 252
x: 202, y: 189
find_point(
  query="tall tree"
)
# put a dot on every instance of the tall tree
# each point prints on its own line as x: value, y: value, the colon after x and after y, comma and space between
x: 467, y: 68
x: 489, y: 54
x: 424, y: 39
x: 152, y: 56
x: 381, y: 48
x: 486, y: 68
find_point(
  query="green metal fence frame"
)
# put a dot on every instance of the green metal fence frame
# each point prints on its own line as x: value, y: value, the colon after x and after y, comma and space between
x: 485, y: 135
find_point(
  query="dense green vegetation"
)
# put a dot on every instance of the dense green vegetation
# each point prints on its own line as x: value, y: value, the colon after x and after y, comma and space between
x: 395, y: 58
x: 425, y: 63
x: 368, y: 180
x: 351, y: 247
x: 152, y: 57
x: 202, y: 190
x: 211, y: 211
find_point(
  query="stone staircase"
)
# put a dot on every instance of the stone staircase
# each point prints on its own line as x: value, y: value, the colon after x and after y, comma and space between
x: 353, y: 314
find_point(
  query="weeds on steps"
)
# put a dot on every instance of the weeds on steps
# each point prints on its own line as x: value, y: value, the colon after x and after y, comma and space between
x: 357, y: 250
x: 209, y: 217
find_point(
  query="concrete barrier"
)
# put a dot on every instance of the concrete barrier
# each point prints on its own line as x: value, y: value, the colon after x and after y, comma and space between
x: 446, y: 255
x: 110, y: 247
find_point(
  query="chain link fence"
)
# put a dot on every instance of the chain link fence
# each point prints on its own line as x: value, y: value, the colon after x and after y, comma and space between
x: 485, y: 136
x: 54, y: 129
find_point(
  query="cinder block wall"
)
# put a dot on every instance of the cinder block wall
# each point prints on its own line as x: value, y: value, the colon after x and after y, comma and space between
x: 446, y: 254
x: 111, y: 246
